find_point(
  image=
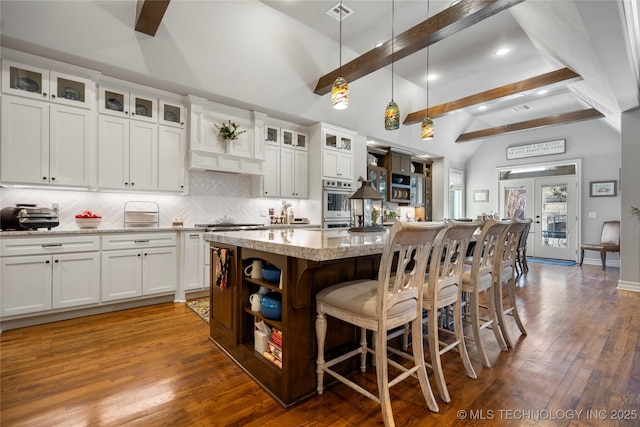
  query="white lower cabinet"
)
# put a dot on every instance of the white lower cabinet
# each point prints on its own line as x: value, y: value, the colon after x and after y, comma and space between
x: 192, y: 261
x: 134, y: 265
x: 40, y: 274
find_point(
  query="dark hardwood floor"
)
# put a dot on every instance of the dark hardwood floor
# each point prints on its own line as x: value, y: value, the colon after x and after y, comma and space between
x: 153, y: 366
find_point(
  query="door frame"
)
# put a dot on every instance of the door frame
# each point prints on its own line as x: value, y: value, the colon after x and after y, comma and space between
x: 528, y: 166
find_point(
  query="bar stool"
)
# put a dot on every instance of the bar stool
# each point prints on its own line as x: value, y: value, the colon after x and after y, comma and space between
x: 391, y: 301
x: 504, y: 270
x: 478, y: 278
x: 443, y: 290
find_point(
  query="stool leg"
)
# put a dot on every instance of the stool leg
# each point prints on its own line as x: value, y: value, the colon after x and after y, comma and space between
x: 500, y: 312
x: 363, y: 348
x: 418, y: 360
x: 581, y: 256
x: 475, y: 322
x: 382, y: 374
x: 321, y: 333
x: 434, y: 350
x: 603, y: 255
x: 511, y: 287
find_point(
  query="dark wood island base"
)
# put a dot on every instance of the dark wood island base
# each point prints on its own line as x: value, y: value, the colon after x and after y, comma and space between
x: 232, y: 321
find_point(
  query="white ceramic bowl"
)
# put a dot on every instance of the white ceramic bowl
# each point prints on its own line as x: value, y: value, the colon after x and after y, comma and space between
x: 88, y: 222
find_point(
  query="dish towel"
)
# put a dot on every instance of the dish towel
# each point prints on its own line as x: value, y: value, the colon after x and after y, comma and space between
x: 222, y: 268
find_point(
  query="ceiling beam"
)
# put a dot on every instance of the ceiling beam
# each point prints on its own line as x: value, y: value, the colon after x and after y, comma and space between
x: 557, y: 119
x: 562, y: 75
x: 149, y: 15
x: 446, y: 23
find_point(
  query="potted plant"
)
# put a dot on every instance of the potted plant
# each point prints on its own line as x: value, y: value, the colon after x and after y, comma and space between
x: 229, y: 132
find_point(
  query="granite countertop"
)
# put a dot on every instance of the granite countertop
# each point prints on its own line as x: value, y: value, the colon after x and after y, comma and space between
x: 312, y: 244
x: 57, y: 231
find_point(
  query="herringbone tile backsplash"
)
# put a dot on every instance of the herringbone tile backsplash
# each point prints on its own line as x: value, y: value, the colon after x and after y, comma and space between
x: 211, y: 196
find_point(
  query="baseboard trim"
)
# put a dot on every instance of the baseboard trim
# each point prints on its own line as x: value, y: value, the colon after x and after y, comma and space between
x: 40, y: 318
x: 598, y: 261
x: 625, y: 285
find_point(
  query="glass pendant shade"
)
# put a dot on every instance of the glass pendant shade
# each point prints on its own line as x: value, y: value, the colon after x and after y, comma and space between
x: 428, y: 128
x: 392, y: 116
x: 340, y: 94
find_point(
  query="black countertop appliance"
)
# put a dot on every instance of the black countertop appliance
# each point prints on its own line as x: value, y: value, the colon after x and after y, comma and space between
x: 27, y: 217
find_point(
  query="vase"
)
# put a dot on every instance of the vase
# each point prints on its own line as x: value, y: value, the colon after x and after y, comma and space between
x: 228, y: 146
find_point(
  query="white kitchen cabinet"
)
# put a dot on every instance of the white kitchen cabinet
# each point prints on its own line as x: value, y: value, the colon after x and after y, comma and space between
x: 120, y: 102
x: 172, y: 114
x: 47, y: 85
x: 171, y: 154
x: 121, y: 274
x: 334, y: 146
x: 336, y: 164
x: 128, y: 154
x: 192, y: 261
x: 41, y: 274
x: 271, y: 183
x: 45, y: 143
x: 293, y: 173
x: 206, y: 260
x: 134, y: 265
x: 26, y: 284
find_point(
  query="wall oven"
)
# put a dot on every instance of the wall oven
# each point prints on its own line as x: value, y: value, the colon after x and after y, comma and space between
x: 335, y: 203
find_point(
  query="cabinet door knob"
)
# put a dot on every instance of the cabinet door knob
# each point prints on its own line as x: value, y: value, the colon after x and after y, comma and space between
x: 44, y: 94
x: 126, y: 183
x: 56, y: 261
x: 53, y: 95
x: 138, y: 254
x: 44, y: 177
x: 47, y: 262
x: 53, y: 178
x: 132, y: 184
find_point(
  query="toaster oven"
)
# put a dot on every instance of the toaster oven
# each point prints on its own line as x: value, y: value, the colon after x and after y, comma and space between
x: 27, y: 217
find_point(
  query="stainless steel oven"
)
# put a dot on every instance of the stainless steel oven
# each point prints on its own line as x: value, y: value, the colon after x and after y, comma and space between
x: 335, y: 203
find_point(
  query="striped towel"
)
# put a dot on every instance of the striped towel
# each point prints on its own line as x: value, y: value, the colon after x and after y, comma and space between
x: 222, y: 268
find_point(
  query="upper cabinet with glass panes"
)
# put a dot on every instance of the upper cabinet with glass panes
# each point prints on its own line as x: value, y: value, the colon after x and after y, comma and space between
x: 294, y: 139
x: 121, y: 102
x: 171, y: 114
x: 47, y: 85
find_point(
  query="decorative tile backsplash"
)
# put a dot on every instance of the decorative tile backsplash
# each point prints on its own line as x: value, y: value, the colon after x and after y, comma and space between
x: 211, y: 196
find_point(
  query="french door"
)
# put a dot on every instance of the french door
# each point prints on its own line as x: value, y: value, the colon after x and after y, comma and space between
x: 552, y: 204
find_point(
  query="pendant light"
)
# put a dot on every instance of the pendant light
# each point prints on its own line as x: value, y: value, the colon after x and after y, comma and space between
x: 340, y: 89
x: 427, y: 128
x: 392, y: 112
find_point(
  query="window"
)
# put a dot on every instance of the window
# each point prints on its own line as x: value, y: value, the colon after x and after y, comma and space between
x: 456, y: 193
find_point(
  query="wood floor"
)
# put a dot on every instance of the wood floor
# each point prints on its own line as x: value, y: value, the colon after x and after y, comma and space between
x: 155, y: 366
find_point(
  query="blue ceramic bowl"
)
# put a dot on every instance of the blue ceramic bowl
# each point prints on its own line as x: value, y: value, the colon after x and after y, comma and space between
x: 271, y: 274
x: 272, y: 305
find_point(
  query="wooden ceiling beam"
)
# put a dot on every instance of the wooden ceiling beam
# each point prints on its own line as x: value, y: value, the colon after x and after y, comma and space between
x: 446, y: 23
x: 149, y: 15
x: 557, y: 119
x: 564, y: 75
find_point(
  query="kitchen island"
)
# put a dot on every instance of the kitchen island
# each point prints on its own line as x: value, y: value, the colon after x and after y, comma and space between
x: 309, y: 260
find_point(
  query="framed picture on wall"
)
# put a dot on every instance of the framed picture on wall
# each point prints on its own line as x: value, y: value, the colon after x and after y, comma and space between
x: 481, y: 196
x: 603, y: 188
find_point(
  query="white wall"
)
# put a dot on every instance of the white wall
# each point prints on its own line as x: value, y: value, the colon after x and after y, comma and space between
x: 592, y: 141
x: 630, y: 225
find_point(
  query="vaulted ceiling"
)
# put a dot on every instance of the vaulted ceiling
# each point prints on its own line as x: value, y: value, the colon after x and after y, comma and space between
x: 544, y: 37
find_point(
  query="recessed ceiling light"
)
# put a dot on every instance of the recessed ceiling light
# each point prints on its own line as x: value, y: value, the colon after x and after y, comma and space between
x: 542, y: 91
x: 503, y: 51
x: 432, y: 77
x: 482, y: 107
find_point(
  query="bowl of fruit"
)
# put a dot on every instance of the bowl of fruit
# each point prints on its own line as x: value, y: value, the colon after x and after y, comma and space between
x: 88, y: 219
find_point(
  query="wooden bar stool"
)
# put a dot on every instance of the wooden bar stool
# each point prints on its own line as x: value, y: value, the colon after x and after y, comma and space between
x: 504, y: 271
x: 478, y: 278
x: 393, y: 300
x: 443, y: 289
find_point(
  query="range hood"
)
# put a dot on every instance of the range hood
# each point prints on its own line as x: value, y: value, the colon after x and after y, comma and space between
x: 203, y: 160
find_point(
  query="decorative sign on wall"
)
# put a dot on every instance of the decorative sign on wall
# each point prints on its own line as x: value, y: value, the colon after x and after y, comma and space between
x: 536, y: 149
